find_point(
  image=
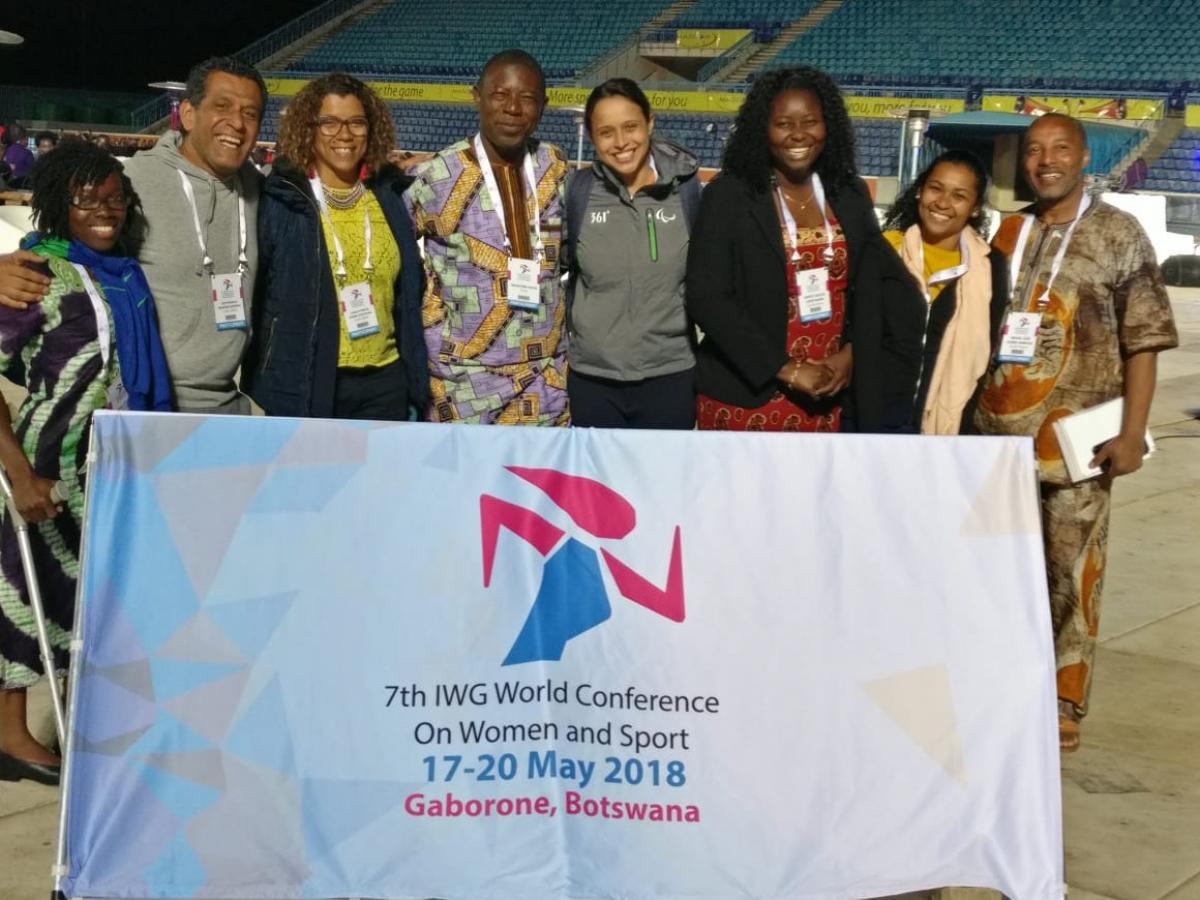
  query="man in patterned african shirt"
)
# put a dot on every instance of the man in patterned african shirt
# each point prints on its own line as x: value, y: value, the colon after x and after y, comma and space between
x: 492, y: 361
x: 1105, y: 317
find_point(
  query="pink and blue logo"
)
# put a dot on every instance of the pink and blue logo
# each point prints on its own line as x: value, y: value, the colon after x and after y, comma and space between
x: 571, y: 598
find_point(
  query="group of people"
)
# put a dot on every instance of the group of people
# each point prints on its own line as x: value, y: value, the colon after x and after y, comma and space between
x: 770, y: 300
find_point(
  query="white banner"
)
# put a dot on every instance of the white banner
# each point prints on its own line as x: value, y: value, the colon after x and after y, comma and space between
x: 520, y: 664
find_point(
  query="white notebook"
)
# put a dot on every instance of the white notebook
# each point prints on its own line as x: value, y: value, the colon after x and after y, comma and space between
x: 1081, y: 434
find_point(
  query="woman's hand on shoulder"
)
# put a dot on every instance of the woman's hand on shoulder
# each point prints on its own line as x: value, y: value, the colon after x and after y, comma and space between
x: 19, y: 284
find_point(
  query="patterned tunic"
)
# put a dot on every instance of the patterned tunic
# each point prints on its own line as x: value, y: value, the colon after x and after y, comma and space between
x: 58, y: 341
x: 490, y: 363
x: 1107, y: 303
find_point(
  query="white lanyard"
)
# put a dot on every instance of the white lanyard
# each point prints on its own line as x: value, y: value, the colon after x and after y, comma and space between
x: 789, y: 221
x: 319, y: 192
x: 489, y: 180
x: 951, y: 273
x: 1019, y: 251
x: 100, y: 309
x: 207, y: 262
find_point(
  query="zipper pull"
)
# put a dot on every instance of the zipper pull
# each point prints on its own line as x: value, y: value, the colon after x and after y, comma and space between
x: 652, y: 235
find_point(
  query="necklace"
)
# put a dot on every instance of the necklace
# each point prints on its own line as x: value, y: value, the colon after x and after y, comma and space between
x: 344, y: 198
x: 801, y: 204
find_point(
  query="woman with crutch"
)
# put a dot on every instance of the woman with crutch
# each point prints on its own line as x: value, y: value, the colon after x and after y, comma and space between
x: 91, y: 343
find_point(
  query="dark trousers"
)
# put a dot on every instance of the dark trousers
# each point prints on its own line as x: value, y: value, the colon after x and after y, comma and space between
x: 374, y: 392
x: 668, y: 401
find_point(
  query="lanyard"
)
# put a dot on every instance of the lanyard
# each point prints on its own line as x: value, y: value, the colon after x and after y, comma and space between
x: 951, y: 273
x: 1019, y: 252
x: 789, y: 221
x: 319, y: 192
x: 207, y: 262
x: 489, y: 179
x: 98, y: 307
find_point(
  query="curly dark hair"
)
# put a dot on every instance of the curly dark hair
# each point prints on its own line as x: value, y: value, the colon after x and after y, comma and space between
x: 903, y: 212
x: 298, y: 126
x: 57, y: 177
x: 747, y: 155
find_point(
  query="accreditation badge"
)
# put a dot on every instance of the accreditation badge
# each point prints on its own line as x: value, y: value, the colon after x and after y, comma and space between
x: 229, y: 302
x: 358, y: 310
x: 812, y: 293
x: 1018, y: 338
x: 523, y: 290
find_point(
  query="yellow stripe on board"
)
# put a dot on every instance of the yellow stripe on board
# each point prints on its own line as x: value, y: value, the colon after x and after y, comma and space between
x: 709, y: 38
x: 1080, y: 107
x: 719, y: 102
x: 1192, y: 115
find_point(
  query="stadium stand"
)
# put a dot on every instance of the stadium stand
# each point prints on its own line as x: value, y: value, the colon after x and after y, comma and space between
x: 765, y: 17
x: 412, y: 38
x: 1024, y: 45
x: 1177, y: 170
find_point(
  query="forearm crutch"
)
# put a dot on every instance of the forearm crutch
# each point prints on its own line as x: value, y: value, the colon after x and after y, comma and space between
x: 59, y: 495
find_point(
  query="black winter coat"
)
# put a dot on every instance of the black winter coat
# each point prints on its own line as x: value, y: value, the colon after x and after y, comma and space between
x: 292, y: 364
x: 737, y: 293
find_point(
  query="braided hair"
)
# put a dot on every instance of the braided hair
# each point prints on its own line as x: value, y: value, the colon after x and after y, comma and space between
x: 59, y: 176
x: 748, y: 156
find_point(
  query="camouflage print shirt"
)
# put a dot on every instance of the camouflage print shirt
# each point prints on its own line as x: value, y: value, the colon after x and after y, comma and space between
x: 1107, y: 303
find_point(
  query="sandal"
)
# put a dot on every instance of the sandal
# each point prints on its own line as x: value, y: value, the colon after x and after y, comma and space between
x: 1068, y: 735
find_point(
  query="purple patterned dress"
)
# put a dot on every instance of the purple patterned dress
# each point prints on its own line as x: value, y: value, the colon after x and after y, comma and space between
x: 58, y: 342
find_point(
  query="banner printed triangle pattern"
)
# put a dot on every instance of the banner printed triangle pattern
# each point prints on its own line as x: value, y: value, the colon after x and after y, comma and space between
x: 203, y: 531
x: 921, y: 703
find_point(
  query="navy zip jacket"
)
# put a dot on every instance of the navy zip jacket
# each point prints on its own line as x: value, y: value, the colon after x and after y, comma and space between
x: 292, y: 364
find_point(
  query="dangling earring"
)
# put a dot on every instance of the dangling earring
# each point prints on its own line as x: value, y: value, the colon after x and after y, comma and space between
x: 363, y: 172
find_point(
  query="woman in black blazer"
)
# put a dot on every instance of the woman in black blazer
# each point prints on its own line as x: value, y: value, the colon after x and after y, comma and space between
x: 810, y: 321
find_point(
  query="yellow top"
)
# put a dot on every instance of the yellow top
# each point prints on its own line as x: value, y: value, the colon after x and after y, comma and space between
x: 936, y: 260
x: 377, y: 349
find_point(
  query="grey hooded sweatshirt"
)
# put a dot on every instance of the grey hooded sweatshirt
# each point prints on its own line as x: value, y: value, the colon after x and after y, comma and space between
x: 628, y: 320
x: 203, y: 361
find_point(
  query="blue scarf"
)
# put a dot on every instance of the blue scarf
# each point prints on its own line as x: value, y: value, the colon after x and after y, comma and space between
x: 139, y: 348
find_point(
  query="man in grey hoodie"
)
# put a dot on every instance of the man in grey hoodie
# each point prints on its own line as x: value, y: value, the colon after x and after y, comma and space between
x: 200, y: 198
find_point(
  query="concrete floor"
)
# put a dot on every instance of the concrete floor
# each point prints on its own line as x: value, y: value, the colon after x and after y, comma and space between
x: 1131, y: 795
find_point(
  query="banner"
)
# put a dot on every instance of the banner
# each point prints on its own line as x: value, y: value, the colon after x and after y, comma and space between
x: 1079, y: 107
x: 1192, y: 116
x: 719, y: 102
x: 710, y: 38
x: 896, y: 107
x: 332, y: 659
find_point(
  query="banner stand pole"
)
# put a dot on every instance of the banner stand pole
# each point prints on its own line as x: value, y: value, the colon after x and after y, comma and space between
x: 59, y: 870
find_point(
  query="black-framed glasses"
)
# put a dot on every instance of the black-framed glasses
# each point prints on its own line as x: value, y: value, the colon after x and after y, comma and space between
x: 89, y: 204
x: 331, y: 125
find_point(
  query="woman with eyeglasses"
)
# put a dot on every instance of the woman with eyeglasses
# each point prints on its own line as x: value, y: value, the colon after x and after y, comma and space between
x: 91, y: 343
x: 337, y: 319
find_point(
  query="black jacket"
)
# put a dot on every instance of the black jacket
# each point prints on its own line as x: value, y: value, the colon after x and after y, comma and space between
x: 292, y: 364
x: 939, y: 317
x: 737, y: 293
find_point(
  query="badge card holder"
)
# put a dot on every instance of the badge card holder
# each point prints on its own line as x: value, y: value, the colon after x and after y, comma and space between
x: 1018, y: 339
x: 523, y: 290
x: 358, y: 310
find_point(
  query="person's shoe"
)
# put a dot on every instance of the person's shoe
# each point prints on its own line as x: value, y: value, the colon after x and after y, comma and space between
x: 13, y: 769
x: 1068, y: 735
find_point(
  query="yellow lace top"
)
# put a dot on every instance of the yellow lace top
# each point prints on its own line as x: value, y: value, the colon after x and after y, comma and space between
x: 377, y: 349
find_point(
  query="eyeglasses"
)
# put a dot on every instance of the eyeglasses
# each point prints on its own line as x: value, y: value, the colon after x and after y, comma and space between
x: 331, y: 125
x: 89, y: 204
